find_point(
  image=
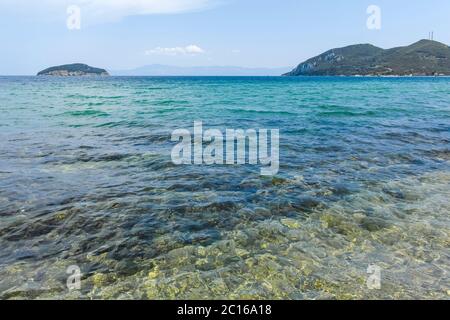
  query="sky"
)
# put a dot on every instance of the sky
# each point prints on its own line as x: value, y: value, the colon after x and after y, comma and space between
x: 125, y: 34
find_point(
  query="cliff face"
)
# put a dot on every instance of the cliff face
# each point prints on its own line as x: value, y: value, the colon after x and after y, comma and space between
x: 73, y: 70
x: 423, y: 58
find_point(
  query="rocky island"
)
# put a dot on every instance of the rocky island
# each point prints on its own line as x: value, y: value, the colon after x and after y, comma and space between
x: 423, y: 58
x: 73, y: 70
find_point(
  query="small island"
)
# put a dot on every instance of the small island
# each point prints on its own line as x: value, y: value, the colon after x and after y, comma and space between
x: 74, y: 70
x: 423, y: 58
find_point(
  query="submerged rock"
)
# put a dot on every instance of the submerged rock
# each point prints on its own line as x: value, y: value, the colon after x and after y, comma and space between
x: 290, y: 223
x: 373, y: 224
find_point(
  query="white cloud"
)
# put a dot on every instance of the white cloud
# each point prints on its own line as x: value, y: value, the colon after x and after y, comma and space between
x: 122, y: 8
x: 188, y: 50
x: 99, y: 11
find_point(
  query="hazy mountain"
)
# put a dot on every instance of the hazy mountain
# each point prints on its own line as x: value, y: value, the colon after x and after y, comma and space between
x: 164, y: 70
x: 76, y: 69
x: 423, y: 58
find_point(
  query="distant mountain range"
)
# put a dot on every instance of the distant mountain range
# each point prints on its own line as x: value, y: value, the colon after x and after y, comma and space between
x: 73, y: 70
x: 423, y: 58
x: 164, y: 70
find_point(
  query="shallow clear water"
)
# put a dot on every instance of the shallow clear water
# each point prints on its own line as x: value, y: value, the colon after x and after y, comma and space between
x: 86, y: 179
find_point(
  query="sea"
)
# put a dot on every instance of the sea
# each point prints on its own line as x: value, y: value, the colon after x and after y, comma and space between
x: 93, y: 207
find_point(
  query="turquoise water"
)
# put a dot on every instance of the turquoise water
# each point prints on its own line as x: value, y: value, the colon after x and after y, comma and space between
x: 86, y: 179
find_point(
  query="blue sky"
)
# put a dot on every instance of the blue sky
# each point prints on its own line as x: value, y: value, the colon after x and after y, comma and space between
x: 123, y: 34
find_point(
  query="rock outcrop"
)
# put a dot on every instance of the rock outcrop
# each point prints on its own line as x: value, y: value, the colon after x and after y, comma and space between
x: 73, y: 70
x: 423, y: 58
